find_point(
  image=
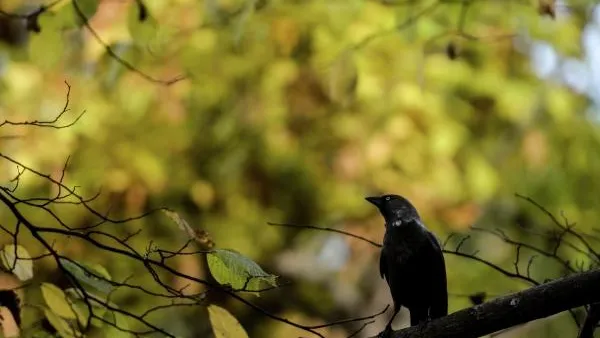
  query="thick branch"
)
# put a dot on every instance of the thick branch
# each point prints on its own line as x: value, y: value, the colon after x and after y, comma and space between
x: 591, y: 320
x: 518, y: 308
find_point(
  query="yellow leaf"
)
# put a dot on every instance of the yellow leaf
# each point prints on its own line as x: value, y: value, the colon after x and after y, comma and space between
x: 20, y: 265
x: 224, y: 323
x: 61, y: 325
x: 57, y: 301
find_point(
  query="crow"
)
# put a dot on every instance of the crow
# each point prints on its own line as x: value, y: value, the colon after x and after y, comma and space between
x: 411, y: 262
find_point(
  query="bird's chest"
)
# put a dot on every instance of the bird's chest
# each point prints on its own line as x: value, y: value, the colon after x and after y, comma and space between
x: 403, y: 242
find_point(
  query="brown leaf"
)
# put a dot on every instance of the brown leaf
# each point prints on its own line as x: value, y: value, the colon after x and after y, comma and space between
x: 547, y: 7
x: 8, y: 323
x: 201, y: 237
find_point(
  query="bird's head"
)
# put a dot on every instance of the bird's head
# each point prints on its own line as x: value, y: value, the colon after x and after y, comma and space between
x: 396, y: 210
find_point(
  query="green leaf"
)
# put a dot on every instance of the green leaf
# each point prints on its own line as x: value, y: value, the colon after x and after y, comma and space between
x: 224, y: 324
x: 81, y: 312
x: 118, y: 320
x: 81, y: 308
x: 57, y: 301
x: 229, y: 267
x: 89, y: 275
x: 20, y: 264
x: 61, y: 325
x: 39, y: 333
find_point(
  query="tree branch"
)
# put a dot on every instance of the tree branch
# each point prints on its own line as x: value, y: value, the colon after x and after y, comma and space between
x: 591, y: 321
x: 514, y: 309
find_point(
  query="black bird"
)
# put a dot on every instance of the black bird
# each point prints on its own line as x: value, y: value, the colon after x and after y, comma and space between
x: 411, y: 262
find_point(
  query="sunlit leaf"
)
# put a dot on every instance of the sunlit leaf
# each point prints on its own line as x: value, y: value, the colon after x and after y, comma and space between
x: 81, y: 312
x: 224, y: 324
x: 64, y: 328
x: 81, y: 309
x: 118, y: 325
x: 20, y: 264
x: 229, y: 267
x: 40, y: 333
x: 57, y: 301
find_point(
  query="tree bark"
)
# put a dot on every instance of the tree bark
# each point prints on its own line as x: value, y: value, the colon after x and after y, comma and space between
x: 521, y: 307
x: 591, y: 320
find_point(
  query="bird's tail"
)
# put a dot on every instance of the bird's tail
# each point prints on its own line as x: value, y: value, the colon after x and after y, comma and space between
x: 439, y: 308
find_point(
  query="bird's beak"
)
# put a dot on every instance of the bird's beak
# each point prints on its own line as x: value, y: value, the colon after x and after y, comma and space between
x: 374, y: 200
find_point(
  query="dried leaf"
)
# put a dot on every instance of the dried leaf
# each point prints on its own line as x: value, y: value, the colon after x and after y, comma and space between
x: 20, y: 264
x: 200, y: 236
x: 224, y: 323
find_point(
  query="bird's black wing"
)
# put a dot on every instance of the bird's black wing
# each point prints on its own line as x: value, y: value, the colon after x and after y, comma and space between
x: 439, y: 307
x: 383, y: 265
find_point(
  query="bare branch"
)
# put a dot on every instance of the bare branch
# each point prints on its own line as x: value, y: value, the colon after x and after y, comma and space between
x: 313, y: 227
x: 115, y: 56
x: 537, y: 302
x: 49, y: 123
x: 591, y: 321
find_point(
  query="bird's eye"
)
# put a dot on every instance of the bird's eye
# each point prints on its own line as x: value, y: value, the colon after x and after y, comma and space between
x: 387, y: 198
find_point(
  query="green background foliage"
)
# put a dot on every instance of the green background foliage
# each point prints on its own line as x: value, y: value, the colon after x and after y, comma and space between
x: 293, y: 111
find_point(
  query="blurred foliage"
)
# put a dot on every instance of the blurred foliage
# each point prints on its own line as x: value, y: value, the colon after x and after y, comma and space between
x: 294, y: 111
